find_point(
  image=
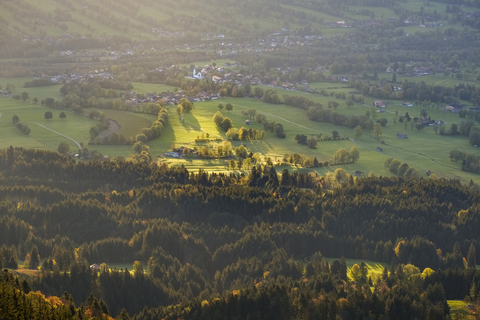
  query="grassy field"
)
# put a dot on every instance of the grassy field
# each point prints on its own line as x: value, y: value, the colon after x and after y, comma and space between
x: 458, y: 307
x: 130, y: 123
x: 141, y: 87
x: 375, y: 269
x: 75, y: 126
x: 423, y: 150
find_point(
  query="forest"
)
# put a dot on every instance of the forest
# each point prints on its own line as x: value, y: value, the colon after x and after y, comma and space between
x: 207, y: 245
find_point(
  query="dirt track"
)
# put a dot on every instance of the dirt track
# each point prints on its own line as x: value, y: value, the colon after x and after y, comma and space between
x: 112, y: 128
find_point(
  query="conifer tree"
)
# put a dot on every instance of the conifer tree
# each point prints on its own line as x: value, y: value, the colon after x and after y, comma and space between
x: 34, y: 258
x: 471, y: 257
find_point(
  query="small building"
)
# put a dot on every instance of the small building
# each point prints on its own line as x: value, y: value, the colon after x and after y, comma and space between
x: 401, y: 136
x: 379, y: 149
x: 379, y: 103
x: 248, y: 122
x: 429, y: 173
x: 95, y: 267
x: 358, y: 173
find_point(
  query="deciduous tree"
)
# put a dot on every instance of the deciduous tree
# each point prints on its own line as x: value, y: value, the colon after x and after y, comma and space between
x: 48, y: 115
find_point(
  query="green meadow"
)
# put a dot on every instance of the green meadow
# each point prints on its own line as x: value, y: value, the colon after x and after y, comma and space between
x: 458, y: 307
x: 130, y: 123
x: 74, y: 126
x: 423, y: 149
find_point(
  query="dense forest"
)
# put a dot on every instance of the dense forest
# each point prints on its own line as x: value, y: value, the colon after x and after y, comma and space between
x: 216, y: 245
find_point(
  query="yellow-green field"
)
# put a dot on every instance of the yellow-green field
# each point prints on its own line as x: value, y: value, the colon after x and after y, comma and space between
x: 423, y: 150
x: 459, y: 308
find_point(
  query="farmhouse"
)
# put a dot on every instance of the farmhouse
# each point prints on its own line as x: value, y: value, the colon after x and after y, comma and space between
x: 378, y: 103
x: 454, y: 107
x: 358, y: 173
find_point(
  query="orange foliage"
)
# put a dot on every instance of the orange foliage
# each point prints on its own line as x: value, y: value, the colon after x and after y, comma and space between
x: 342, y: 303
x: 397, y: 248
x: 55, y: 301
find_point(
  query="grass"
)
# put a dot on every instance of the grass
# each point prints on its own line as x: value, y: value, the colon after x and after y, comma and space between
x: 219, y: 62
x: 141, y: 87
x: 375, y: 269
x: 130, y: 123
x: 418, y: 150
x: 423, y: 150
x: 380, y: 12
x: 457, y: 307
x: 75, y: 126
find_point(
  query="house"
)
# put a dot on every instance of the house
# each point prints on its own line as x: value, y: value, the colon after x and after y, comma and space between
x: 401, y: 136
x: 216, y: 79
x: 449, y: 108
x: 378, y: 103
x: 95, y: 267
x: 171, y: 154
x: 429, y: 173
x: 180, y: 150
x: 454, y: 107
x: 406, y: 104
x: 248, y: 122
x: 379, y: 149
x: 358, y: 173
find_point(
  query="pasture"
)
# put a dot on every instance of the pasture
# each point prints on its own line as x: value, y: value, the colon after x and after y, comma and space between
x: 74, y: 126
x: 423, y: 149
x: 375, y: 269
x: 130, y: 123
x: 458, y: 307
x: 141, y: 87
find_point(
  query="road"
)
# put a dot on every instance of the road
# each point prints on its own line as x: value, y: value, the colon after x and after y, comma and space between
x: 41, y: 125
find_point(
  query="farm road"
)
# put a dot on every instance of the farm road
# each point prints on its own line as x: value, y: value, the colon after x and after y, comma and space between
x: 41, y: 125
x: 112, y: 128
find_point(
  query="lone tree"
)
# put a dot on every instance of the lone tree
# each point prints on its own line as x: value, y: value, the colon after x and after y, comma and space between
x: 34, y: 258
x: 49, y: 102
x: 48, y: 115
x: 228, y: 107
x: 63, y: 147
x: 15, y: 119
x: 358, y: 131
x: 24, y: 96
x: 301, y: 138
x: 62, y: 115
x: 349, y: 103
x: 312, y: 143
